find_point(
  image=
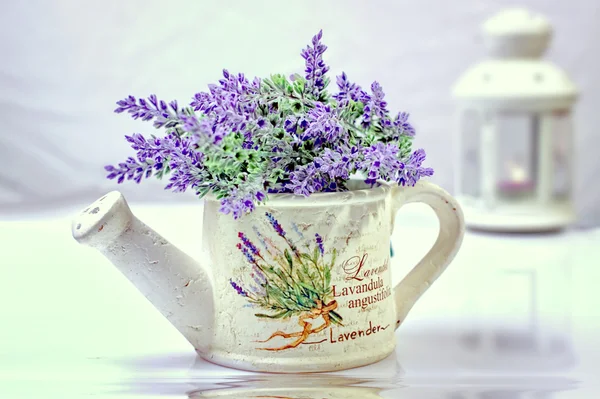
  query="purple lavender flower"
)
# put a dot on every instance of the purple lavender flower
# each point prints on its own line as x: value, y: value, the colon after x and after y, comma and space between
x: 412, y: 170
x: 149, y: 109
x: 315, y: 66
x: 203, y: 102
x: 246, y: 253
x: 403, y: 126
x: 258, y: 275
x: 243, y: 139
x: 378, y: 104
x: 239, y: 289
x: 375, y: 105
x: 276, y: 226
x: 152, y: 154
x: 205, y: 130
x: 186, y: 164
x: 349, y: 91
x: 147, y: 149
x: 260, y: 237
x: 319, y: 240
x: 291, y: 124
x: 187, y: 171
x: 259, y: 289
x: 130, y: 169
x: 249, y: 244
x: 229, y: 106
x: 234, y: 94
x: 237, y: 204
x: 380, y: 162
x: 297, y: 230
x: 338, y: 163
x: 305, y: 180
x: 324, y: 123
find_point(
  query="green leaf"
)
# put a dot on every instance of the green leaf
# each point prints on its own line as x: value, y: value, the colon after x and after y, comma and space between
x: 308, y: 287
x: 240, y: 155
x: 285, y: 278
x: 299, y: 85
x: 333, y: 256
x: 202, y: 191
x: 297, y: 106
x: 327, y: 279
x: 306, y: 256
x: 288, y: 257
x: 277, y: 296
x: 280, y: 315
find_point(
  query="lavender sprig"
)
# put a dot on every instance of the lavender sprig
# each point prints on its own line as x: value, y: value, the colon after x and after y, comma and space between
x: 149, y: 109
x: 323, y: 125
x: 246, y: 253
x: 315, y: 68
x: 380, y: 162
x: 305, y: 180
x: 244, y: 138
x: 150, y: 156
x: 339, y: 163
x: 276, y: 226
x: 248, y: 244
x: 319, y: 241
x: 238, y: 288
x: 130, y: 169
x: 412, y: 171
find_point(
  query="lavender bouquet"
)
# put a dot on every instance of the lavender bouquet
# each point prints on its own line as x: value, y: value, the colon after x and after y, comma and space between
x: 243, y: 140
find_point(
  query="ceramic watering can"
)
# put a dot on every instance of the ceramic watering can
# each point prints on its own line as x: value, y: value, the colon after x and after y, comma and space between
x: 301, y: 284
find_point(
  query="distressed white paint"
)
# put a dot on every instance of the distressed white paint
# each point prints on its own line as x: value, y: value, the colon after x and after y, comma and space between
x: 199, y: 300
x: 173, y: 282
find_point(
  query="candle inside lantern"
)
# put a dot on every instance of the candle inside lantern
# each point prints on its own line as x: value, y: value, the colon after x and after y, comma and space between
x: 518, y: 182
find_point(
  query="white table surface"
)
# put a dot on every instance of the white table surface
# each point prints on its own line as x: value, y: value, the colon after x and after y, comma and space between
x: 73, y: 326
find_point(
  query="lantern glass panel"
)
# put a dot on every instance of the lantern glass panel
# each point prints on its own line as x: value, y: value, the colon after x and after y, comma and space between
x: 516, y: 154
x: 469, y: 153
x: 562, y: 141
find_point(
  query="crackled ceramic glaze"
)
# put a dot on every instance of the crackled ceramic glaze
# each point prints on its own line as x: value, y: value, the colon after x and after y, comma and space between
x: 299, y: 285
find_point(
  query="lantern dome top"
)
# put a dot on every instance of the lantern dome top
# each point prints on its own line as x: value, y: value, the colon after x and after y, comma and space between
x: 515, y: 77
x: 517, y: 20
x: 517, y: 33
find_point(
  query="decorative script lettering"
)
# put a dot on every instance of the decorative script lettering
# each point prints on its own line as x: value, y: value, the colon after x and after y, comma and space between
x: 368, y: 282
x: 359, y: 333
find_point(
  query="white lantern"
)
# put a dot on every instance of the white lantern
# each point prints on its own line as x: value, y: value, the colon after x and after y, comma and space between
x: 514, y: 141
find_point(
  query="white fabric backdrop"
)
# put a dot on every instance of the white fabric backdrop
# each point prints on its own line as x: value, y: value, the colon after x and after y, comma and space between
x: 63, y: 64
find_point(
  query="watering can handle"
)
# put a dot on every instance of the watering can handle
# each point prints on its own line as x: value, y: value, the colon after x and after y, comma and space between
x: 449, y: 240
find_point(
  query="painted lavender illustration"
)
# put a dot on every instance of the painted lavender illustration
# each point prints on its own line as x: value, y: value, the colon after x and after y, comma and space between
x: 289, y: 282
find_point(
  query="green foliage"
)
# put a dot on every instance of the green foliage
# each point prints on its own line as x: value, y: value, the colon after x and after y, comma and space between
x: 295, y: 283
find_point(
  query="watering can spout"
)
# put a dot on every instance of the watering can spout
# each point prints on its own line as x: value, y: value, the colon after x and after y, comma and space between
x: 173, y: 282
